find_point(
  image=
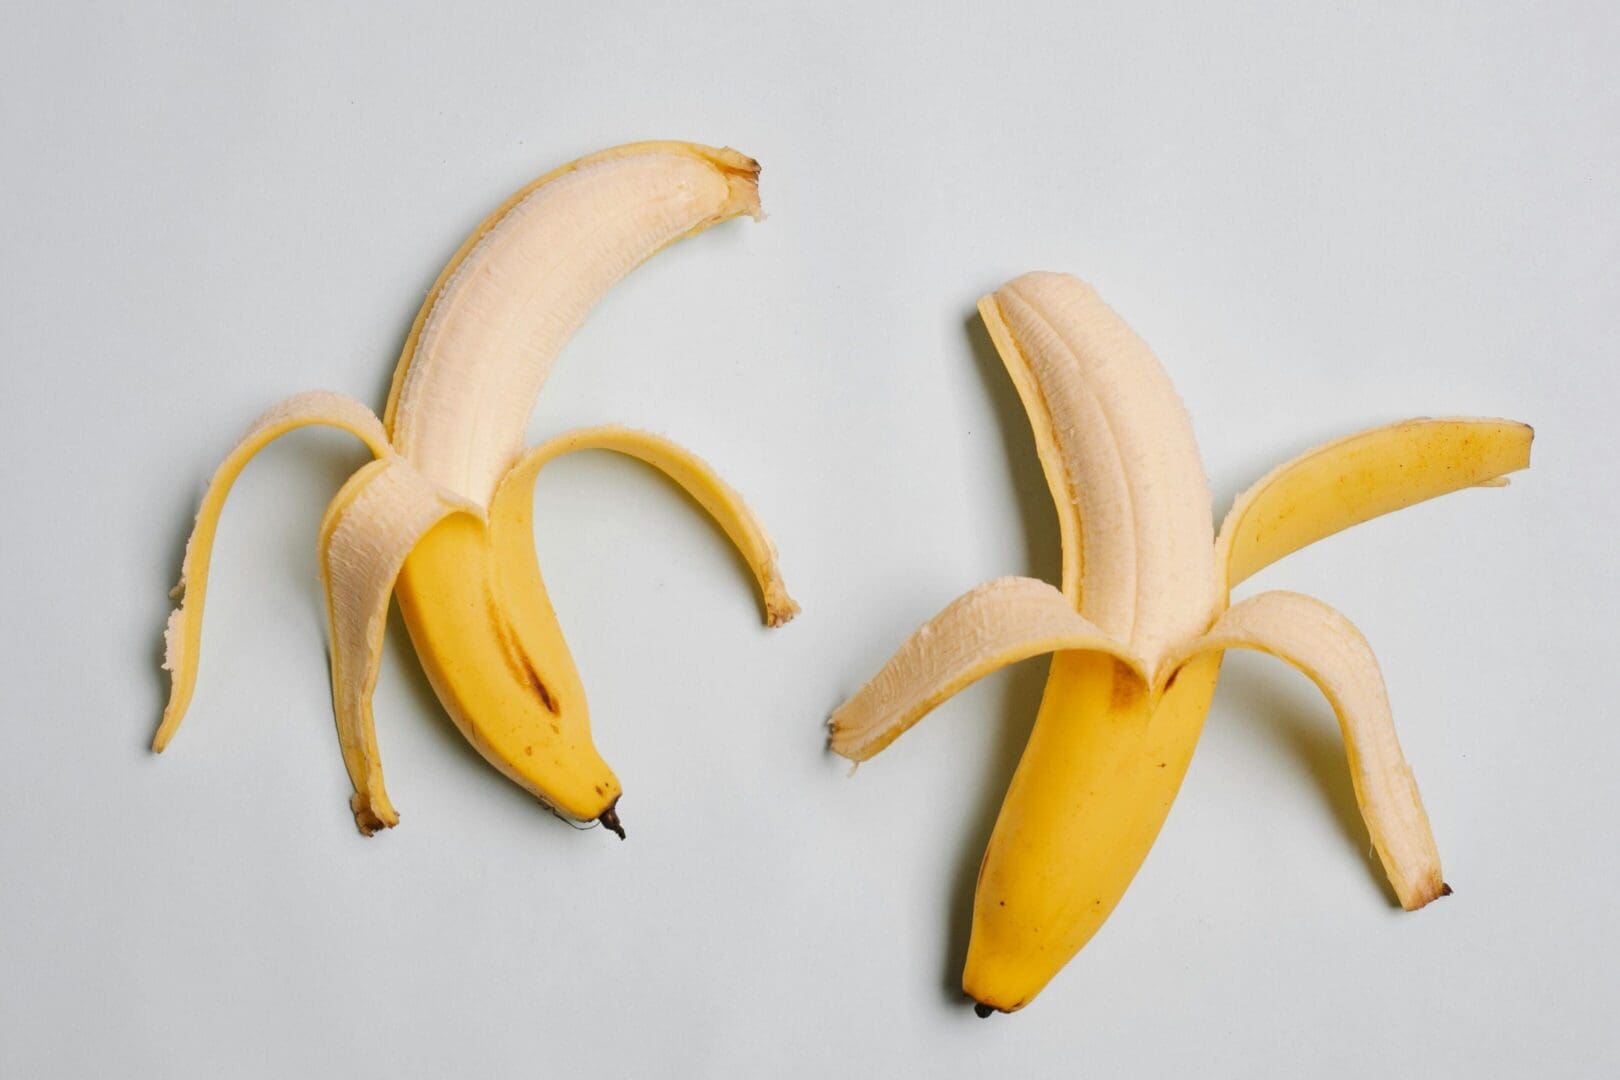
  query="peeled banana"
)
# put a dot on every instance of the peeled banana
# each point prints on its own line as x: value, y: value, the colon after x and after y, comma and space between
x: 441, y: 519
x: 1140, y: 623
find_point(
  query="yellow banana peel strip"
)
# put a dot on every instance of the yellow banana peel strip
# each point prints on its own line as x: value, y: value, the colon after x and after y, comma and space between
x: 998, y: 623
x: 1362, y: 476
x: 510, y: 511
x: 182, y: 637
x: 369, y: 530
x: 1324, y: 645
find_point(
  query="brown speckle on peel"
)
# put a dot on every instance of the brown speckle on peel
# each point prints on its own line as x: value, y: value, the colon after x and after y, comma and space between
x: 528, y: 751
x: 1125, y: 689
x: 517, y: 661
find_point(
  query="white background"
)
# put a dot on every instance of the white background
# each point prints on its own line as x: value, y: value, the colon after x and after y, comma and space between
x: 1323, y: 219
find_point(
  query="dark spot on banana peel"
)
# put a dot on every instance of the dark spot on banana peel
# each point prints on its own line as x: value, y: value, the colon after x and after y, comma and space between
x: 539, y: 685
x: 1125, y: 689
x: 517, y: 661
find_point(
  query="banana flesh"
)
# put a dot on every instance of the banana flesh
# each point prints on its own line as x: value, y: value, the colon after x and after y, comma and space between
x: 1131, y: 477
x: 508, y: 302
x: 1121, y: 716
x: 442, y: 518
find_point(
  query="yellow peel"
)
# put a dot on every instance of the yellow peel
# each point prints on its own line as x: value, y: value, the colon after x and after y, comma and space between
x: 996, y: 624
x: 183, y: 635
x: 512, y: 507
x: 369, y: 529
x: 1326, y: 647
x: 1361, y: 476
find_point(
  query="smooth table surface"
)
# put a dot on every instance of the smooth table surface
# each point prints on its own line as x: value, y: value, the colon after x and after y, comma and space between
x: 1322, y: 217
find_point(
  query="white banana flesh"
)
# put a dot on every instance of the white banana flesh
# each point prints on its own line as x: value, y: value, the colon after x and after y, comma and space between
x: 500, y: 317
x: 1126, y: 466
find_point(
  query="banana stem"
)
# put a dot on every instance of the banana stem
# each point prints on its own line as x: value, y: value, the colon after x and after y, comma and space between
x: 610, y: 820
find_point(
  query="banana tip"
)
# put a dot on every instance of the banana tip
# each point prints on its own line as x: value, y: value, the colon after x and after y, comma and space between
x: 779, y: 606
x: 781, y: 612
x: 610, y: 820
x: 983, y: 1011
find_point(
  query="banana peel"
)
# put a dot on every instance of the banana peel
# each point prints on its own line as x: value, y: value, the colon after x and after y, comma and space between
x: 442, y: 517
x: 1141, y: 621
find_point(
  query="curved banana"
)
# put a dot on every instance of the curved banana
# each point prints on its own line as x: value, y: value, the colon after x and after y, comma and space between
x: 442, y: 518
x: 1141, y: 622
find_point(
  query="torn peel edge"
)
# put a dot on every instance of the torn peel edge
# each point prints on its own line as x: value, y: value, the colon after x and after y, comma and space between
x: 371, y: 815
x: 1427, y: 895
x: 779, y: 606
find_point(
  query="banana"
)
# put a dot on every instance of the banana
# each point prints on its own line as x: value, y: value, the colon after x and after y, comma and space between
x: 442, y: 517
x: 1141, y: 622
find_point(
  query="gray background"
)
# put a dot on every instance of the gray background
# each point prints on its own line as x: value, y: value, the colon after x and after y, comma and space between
x: 1322, y: 219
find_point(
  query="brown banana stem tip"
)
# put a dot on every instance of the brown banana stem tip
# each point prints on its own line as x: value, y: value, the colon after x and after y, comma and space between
x: 610, y: 820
